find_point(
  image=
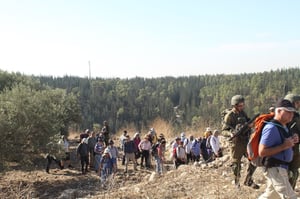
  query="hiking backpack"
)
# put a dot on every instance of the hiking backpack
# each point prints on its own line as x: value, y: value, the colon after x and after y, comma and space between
x: 154, y: 149
x: 224, y: 113
x: 174, y: 152
x: 207, y: 144
x: 253, y: 143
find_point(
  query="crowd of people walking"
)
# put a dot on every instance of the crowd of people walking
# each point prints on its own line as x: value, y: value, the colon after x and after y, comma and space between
x: 279, y: 142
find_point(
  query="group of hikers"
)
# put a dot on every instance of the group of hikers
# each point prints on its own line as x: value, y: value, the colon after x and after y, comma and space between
x: 97, y: 151
x: 145, y: 148
x: 186, y: 150
x: 183, y: 150
x: 278, y: 145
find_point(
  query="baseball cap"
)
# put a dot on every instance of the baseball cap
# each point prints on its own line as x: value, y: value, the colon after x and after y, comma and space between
x: 285, y: 105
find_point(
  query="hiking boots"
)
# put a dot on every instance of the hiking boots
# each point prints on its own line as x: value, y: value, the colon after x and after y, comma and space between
x: 70, y: 167
x: 252, y: 185
x: 237, y: 183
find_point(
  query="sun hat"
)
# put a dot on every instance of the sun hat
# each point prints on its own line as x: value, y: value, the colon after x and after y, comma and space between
x: 286, y: 105
x: 208, y: 129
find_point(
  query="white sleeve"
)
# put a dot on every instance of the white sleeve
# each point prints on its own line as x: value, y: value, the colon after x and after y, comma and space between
x: 214, y: 145
x: 185, y: 142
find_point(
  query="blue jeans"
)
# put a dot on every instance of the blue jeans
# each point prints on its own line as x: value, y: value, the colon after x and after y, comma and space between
x: 159, y: 165
x: 98, y: 158
x: 106, y: 171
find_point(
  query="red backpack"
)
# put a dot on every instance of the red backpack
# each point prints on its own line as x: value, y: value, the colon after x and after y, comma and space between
x: 174, y: 152
x: 252, y: 146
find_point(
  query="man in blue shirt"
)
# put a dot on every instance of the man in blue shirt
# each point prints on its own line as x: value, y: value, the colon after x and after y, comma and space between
x: 276, y: 146
x: 129, y: 150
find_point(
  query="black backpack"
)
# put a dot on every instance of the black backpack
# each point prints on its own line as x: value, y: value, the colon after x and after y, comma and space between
x: 154, y: 149
x: 208, y: 145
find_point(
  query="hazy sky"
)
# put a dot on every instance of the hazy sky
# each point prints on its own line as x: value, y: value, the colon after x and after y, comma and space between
x: 155, y: 38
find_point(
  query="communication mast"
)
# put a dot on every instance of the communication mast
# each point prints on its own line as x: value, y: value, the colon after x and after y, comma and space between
x: 90, y: 74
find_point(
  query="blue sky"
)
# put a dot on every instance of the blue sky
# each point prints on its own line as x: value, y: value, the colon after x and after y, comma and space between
x: 148, y: 38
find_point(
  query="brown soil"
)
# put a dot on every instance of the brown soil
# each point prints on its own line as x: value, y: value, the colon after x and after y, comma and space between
x: 213, y: 180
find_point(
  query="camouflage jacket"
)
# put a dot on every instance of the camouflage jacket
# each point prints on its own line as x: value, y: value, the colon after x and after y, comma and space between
x: 233, y: 119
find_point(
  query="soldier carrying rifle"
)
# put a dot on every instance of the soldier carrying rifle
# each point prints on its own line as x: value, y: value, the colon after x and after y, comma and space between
x: 235, y: 121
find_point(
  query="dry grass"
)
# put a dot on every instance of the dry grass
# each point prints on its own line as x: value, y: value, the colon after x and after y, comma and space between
x: 207, y: 181
x: 160, y: 126
x: 73, y: 135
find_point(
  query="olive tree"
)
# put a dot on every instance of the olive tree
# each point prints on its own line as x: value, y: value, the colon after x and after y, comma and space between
x: 29, y: 117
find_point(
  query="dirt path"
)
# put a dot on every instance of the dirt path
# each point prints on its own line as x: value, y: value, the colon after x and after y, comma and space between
x: 188, y: 181
x: 39, y: 184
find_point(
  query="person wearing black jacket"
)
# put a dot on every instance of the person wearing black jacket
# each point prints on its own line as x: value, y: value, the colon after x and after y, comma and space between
x: 83, y: 152
x: 129, y: 150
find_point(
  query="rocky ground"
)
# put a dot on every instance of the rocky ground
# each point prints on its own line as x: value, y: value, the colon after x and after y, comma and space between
x: 199, y: 180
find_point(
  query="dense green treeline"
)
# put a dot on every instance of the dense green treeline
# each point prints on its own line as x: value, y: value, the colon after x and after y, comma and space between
x: 35, y: 109
x: 184, y: 101
x: 31, y: 114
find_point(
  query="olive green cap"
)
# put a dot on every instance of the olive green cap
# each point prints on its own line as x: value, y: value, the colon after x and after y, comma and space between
x: 292, y: 97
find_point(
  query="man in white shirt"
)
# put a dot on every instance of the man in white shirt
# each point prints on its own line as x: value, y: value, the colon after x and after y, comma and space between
x: 215, y: 144
x: 187, y: 144
x: 122, y: 141
x: 180, y: 155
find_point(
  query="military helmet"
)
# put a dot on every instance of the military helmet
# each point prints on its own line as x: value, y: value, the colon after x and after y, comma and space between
x: 237, y: 99
x: 292, y: 97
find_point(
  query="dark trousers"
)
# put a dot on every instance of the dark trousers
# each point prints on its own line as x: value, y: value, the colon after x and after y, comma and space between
x: 123, y: 159
x: 50, y: 159
x: 250, y: 170
x: 196, y: 158
x: 84, y: 160
x: 189, y: 157
x: 204, y: 154
x: 145, y: 156
x: 91, y: 157
x: 178, y: 162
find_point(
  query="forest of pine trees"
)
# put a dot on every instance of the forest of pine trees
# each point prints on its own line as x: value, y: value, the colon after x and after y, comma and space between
x: 35, y: 108
x: 184, y: 101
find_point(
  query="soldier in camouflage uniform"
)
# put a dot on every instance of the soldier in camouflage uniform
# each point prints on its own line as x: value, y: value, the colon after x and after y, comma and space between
x: 233, y: 120
x: 294, y: 127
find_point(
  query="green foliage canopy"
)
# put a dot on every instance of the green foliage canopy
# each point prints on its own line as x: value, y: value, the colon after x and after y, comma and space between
x: 28, y: 117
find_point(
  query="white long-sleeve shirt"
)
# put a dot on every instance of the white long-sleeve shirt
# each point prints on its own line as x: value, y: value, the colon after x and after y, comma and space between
x: 145, y: 145
x: 215, y: 144
x: 180, y: 152
x: 188, y: 145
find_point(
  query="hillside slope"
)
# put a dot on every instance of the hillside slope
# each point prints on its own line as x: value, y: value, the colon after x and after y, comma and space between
x: 199, y: 180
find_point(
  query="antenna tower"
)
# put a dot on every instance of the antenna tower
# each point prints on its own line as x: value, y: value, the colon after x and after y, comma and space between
x: 90, y: 75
